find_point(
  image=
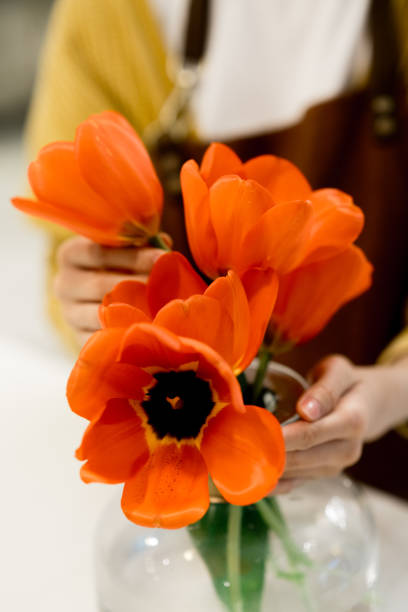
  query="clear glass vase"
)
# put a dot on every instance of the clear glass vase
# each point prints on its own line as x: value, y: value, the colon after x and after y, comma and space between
x: 330, y: 527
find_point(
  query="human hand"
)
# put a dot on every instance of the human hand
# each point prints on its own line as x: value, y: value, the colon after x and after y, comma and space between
x: 87, y: 271
x: 346, y: 406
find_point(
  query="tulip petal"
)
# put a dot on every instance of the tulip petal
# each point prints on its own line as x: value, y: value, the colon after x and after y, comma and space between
x: 114, y: 161
x: 337, y: 222
x: 219, y: 160
x: 73, y: 221
x: 261, y: 287
x: 55, y: 177
x: 130, y: 292
x: 309, y: 296
x: 200, y: 233
x: 96, y: 377
x: 229, y: 291
x: 95, y: 358
x: 147, y: 345
x: 121, y: 315
x: 201, y: 318
x: 170, y: 490
x: 275, y: 429
x: 172, y: 277
x: 244, y: 453
x: 114, y: 445
x: 279, y: 176
x: 278, y: 240
x: 236, y: 206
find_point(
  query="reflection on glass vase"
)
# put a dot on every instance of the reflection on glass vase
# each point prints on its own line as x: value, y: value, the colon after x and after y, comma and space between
x: 311, y: 550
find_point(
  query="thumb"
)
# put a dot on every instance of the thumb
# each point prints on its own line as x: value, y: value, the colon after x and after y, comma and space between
x: 332, y: 378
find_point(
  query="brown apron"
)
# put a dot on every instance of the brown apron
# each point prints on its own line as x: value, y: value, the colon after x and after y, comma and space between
x: 357, y: 143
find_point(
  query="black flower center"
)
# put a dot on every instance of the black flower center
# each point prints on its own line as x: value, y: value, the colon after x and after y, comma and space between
x: 178, y: 404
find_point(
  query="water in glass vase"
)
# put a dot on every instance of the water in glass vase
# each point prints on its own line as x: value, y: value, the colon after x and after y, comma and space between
x: 153, y: 570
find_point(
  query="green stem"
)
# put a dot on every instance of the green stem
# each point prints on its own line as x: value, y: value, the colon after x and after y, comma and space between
x: 234, y: 557
x: 264, y: 358
x: 158, y: 242
x: 273, y: 517
x: 271, y: 514
x: 276, y: 509
x: 268, y: 516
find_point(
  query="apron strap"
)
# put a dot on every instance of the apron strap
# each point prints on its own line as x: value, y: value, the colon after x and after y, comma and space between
x: 174, y: 125
x: 196, y: 31
x: 384, y: 76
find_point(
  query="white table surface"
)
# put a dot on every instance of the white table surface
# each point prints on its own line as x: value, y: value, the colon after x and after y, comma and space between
x: 47, y: 515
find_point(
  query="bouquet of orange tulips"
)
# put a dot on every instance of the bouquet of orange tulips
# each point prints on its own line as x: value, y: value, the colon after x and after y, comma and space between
x: 160, y: 383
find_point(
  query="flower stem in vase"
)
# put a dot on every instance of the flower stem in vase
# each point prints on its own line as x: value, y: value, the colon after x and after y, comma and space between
x: 270, y: 512
x: 234, y: 556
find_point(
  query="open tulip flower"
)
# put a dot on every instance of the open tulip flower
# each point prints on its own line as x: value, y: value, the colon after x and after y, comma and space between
x: 102, y: 185
x: 165, y: 406
x: 261, y: 213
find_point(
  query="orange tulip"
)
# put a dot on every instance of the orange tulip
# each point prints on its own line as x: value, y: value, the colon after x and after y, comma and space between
x: 102, y: 186
x: 310, y: 295
x: 177, y: 298
x: 166, y: 409
x: 262, y: 213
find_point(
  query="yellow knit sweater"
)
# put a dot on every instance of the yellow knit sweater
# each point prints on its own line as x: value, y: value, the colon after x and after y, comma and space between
x: 108, y: 54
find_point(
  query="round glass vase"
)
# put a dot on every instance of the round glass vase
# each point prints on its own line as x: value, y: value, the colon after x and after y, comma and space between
x: 327, y: 560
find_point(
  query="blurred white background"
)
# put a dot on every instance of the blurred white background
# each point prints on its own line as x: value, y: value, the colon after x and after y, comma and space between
x: 47, y: 515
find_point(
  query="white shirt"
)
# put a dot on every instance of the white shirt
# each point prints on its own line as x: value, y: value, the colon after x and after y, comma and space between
x: 268, y: 61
